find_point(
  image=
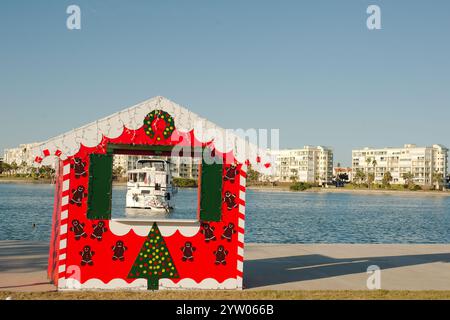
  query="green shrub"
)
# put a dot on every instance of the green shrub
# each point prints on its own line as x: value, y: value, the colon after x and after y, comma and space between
x: 185, y: 182
x: 300, y: 186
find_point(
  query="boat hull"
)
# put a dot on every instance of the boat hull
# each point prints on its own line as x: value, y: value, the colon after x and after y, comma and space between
x: 149, y: 202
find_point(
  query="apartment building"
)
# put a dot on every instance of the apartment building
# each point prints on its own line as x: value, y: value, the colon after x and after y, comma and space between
x: 21, y: 154
x: 422, y: 162
x: 185, y: 167
x: 310, y: 164
x: 181, y: 167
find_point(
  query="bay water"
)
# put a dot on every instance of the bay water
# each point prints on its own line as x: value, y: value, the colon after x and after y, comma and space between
x: 271, y: 217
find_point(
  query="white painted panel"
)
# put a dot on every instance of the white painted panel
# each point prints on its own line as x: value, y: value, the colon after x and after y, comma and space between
x: 66, y: 169
x: 63, y: 244
x: 66, y: 185
x: 240, y: 251
x: 64, y: 214
x: 65, y: 201
x: 241, y: 223
x: 240, y: 266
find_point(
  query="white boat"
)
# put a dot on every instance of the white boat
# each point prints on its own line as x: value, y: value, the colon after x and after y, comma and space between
x: 150, y: 187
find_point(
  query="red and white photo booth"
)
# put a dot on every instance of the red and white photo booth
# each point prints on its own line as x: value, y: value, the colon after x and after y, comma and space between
x: 89, y: 249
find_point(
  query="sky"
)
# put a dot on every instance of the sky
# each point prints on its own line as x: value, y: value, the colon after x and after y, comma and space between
x: 309, y: 68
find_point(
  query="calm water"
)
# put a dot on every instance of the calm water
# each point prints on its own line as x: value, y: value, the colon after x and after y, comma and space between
x: 271, y: 217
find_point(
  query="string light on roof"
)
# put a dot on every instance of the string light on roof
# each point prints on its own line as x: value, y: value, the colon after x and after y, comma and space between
x: 128, y: 121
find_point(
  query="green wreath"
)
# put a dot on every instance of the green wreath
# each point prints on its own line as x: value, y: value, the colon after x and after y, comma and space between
x: 168, y: 121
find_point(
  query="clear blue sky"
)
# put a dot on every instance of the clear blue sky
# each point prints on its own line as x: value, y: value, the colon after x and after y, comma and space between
x: 310, y: 68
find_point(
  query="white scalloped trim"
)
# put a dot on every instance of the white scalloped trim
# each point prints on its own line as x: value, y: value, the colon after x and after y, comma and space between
x: 208, y: 283
x: 73, y: 284
x: 142, y: 229
x: 141, y: 284
x: 132, y: 118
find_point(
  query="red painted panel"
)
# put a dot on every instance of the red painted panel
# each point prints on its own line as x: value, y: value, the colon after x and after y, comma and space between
x: 205, y: 257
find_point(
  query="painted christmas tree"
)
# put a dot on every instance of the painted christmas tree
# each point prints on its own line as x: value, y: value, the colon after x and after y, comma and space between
x: 153, y: 261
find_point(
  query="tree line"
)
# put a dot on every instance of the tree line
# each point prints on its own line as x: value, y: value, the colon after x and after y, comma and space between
x: 25, y: 171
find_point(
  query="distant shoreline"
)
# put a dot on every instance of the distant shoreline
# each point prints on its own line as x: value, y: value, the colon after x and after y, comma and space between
x: 47, y: 181
x: 23, y: 181
x: 278, y: 189
x: 377, y: 191
x: 353, y: 191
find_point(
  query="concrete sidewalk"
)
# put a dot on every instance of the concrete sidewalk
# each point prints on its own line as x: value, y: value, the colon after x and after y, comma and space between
x: 23, y: 266
x: 344, y: 266
x: 280, y: 267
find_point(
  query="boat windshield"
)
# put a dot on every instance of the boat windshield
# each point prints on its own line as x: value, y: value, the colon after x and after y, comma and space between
x: 137, y: 177
x: 132, y: 177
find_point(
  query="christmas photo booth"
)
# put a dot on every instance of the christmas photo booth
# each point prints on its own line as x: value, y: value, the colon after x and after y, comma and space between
x: 89, y: 249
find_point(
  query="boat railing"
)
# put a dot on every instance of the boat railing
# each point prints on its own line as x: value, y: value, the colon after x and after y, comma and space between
x: 154, y: 187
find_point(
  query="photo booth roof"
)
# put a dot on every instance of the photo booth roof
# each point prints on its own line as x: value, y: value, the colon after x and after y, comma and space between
x: 90, y: 135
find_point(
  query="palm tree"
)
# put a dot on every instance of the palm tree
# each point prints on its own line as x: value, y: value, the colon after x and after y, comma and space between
x: 360, y: 176
x: 370, y: 179
x: 387, y: 178
x: 368, y: 161
x: 374, y: 164
x: 409, y: 178
x: 14, y: 167
x: 438, y: 179
x: 23, y: 167
x: 294, y: 175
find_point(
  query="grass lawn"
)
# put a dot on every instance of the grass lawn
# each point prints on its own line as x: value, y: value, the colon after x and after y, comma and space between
x: 229, y: 295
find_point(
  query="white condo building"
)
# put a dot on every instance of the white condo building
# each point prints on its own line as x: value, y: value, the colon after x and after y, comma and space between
x: 310, y: 164
x: 422, y: 162
x: 181, y: 167
x: 20, y: 155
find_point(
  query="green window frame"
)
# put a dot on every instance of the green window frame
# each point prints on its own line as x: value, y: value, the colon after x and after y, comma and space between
x: 211, y: 191
x: 100, y: 186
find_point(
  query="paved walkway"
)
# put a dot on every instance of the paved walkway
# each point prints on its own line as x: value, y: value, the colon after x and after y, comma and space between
x: 280, y: 267
x: 23, y: 266
x: 344, y: 266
